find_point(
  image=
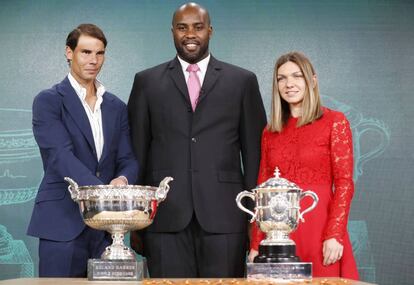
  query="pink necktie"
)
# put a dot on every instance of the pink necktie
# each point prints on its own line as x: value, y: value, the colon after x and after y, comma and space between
x: 193, y: 84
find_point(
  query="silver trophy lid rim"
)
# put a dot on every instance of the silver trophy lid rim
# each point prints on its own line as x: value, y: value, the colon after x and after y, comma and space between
x: 277, y: 184
x: 276, y: 189
x: 125, y: 187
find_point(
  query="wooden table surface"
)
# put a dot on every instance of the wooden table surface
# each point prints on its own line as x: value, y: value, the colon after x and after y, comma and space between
x: 81, y: 281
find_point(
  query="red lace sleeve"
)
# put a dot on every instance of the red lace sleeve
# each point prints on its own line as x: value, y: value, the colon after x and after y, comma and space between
x: 342, y: 167
x: 264, y: 173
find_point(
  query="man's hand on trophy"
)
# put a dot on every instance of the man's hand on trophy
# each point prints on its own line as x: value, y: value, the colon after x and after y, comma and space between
x: 252, y: 254
x: 136, y: 242
x: 332, y: 251
x: 119, y: 181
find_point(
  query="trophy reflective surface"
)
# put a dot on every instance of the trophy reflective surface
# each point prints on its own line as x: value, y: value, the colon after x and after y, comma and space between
x: 277, y: 213
x: 117, y: 210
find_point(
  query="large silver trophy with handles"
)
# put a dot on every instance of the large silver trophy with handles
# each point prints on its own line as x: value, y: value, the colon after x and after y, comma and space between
x: 117, y: 209
x: 277, y: 213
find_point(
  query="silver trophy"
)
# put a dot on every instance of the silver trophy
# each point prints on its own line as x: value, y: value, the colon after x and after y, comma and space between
x: 117, y: 210
x: 277, y: 213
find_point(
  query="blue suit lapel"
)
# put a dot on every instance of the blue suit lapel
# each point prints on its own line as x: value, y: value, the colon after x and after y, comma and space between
x: 108, y: 123
x: 74, y: 107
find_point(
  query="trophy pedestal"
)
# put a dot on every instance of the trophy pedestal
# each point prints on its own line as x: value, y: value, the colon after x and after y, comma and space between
x: 276, y: 254
x: 278, y: 262
x: 115, y: 270
x: 279, y: 271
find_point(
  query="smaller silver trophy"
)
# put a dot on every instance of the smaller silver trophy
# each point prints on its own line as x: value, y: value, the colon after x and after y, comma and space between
x: 277, y: 213
x: 117, y: 210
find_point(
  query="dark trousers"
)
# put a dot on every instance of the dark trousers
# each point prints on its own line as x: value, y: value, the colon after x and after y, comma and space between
x: 70, y: 258
x: 195, y: 253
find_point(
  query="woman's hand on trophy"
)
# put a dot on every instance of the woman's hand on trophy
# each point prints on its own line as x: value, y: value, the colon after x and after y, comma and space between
x: 332, y: 251
x: 252, y: 254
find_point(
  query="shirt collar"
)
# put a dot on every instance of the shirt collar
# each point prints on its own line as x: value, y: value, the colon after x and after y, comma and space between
x: 81, y: 91
x: 202, y: 64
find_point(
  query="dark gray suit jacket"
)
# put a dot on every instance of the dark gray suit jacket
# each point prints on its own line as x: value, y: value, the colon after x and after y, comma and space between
x: 212, y: 153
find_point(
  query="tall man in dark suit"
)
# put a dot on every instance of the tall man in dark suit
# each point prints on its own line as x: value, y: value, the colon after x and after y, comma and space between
x: 198, y: 120
x: 82, y: 132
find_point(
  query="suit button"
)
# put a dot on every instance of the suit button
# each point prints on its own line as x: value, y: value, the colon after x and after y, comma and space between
x: 98, y: 174
x: 193, y: 140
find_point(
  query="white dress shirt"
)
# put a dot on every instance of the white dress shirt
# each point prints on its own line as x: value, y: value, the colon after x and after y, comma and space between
x: 202, y: 64
x: 95, y: 115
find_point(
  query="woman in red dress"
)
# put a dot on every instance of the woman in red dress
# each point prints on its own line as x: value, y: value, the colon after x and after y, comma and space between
x: 312, y: 146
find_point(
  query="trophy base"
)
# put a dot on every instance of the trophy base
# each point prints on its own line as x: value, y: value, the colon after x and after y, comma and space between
x: 279, y: 271
x: 115, y: 270
x: 276, y: 254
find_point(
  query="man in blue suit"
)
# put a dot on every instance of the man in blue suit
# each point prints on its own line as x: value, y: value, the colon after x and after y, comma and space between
x: 82, y: 132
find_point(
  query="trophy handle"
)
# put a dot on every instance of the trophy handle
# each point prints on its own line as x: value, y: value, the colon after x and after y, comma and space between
x: 239, y: 197
x: 163, y: 188
x: 73, y: 188
x: 315, y: 202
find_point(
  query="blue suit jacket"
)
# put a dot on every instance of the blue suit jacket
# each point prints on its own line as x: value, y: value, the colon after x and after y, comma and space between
x: 63, y: 133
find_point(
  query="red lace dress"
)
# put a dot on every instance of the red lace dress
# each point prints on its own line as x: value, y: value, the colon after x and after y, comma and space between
x: 316, y: 157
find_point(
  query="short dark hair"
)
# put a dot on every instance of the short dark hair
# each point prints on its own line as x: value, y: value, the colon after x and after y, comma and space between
x: 85, y: 29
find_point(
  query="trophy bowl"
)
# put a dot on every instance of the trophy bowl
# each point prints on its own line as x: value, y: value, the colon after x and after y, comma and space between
x: 117, y: 210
